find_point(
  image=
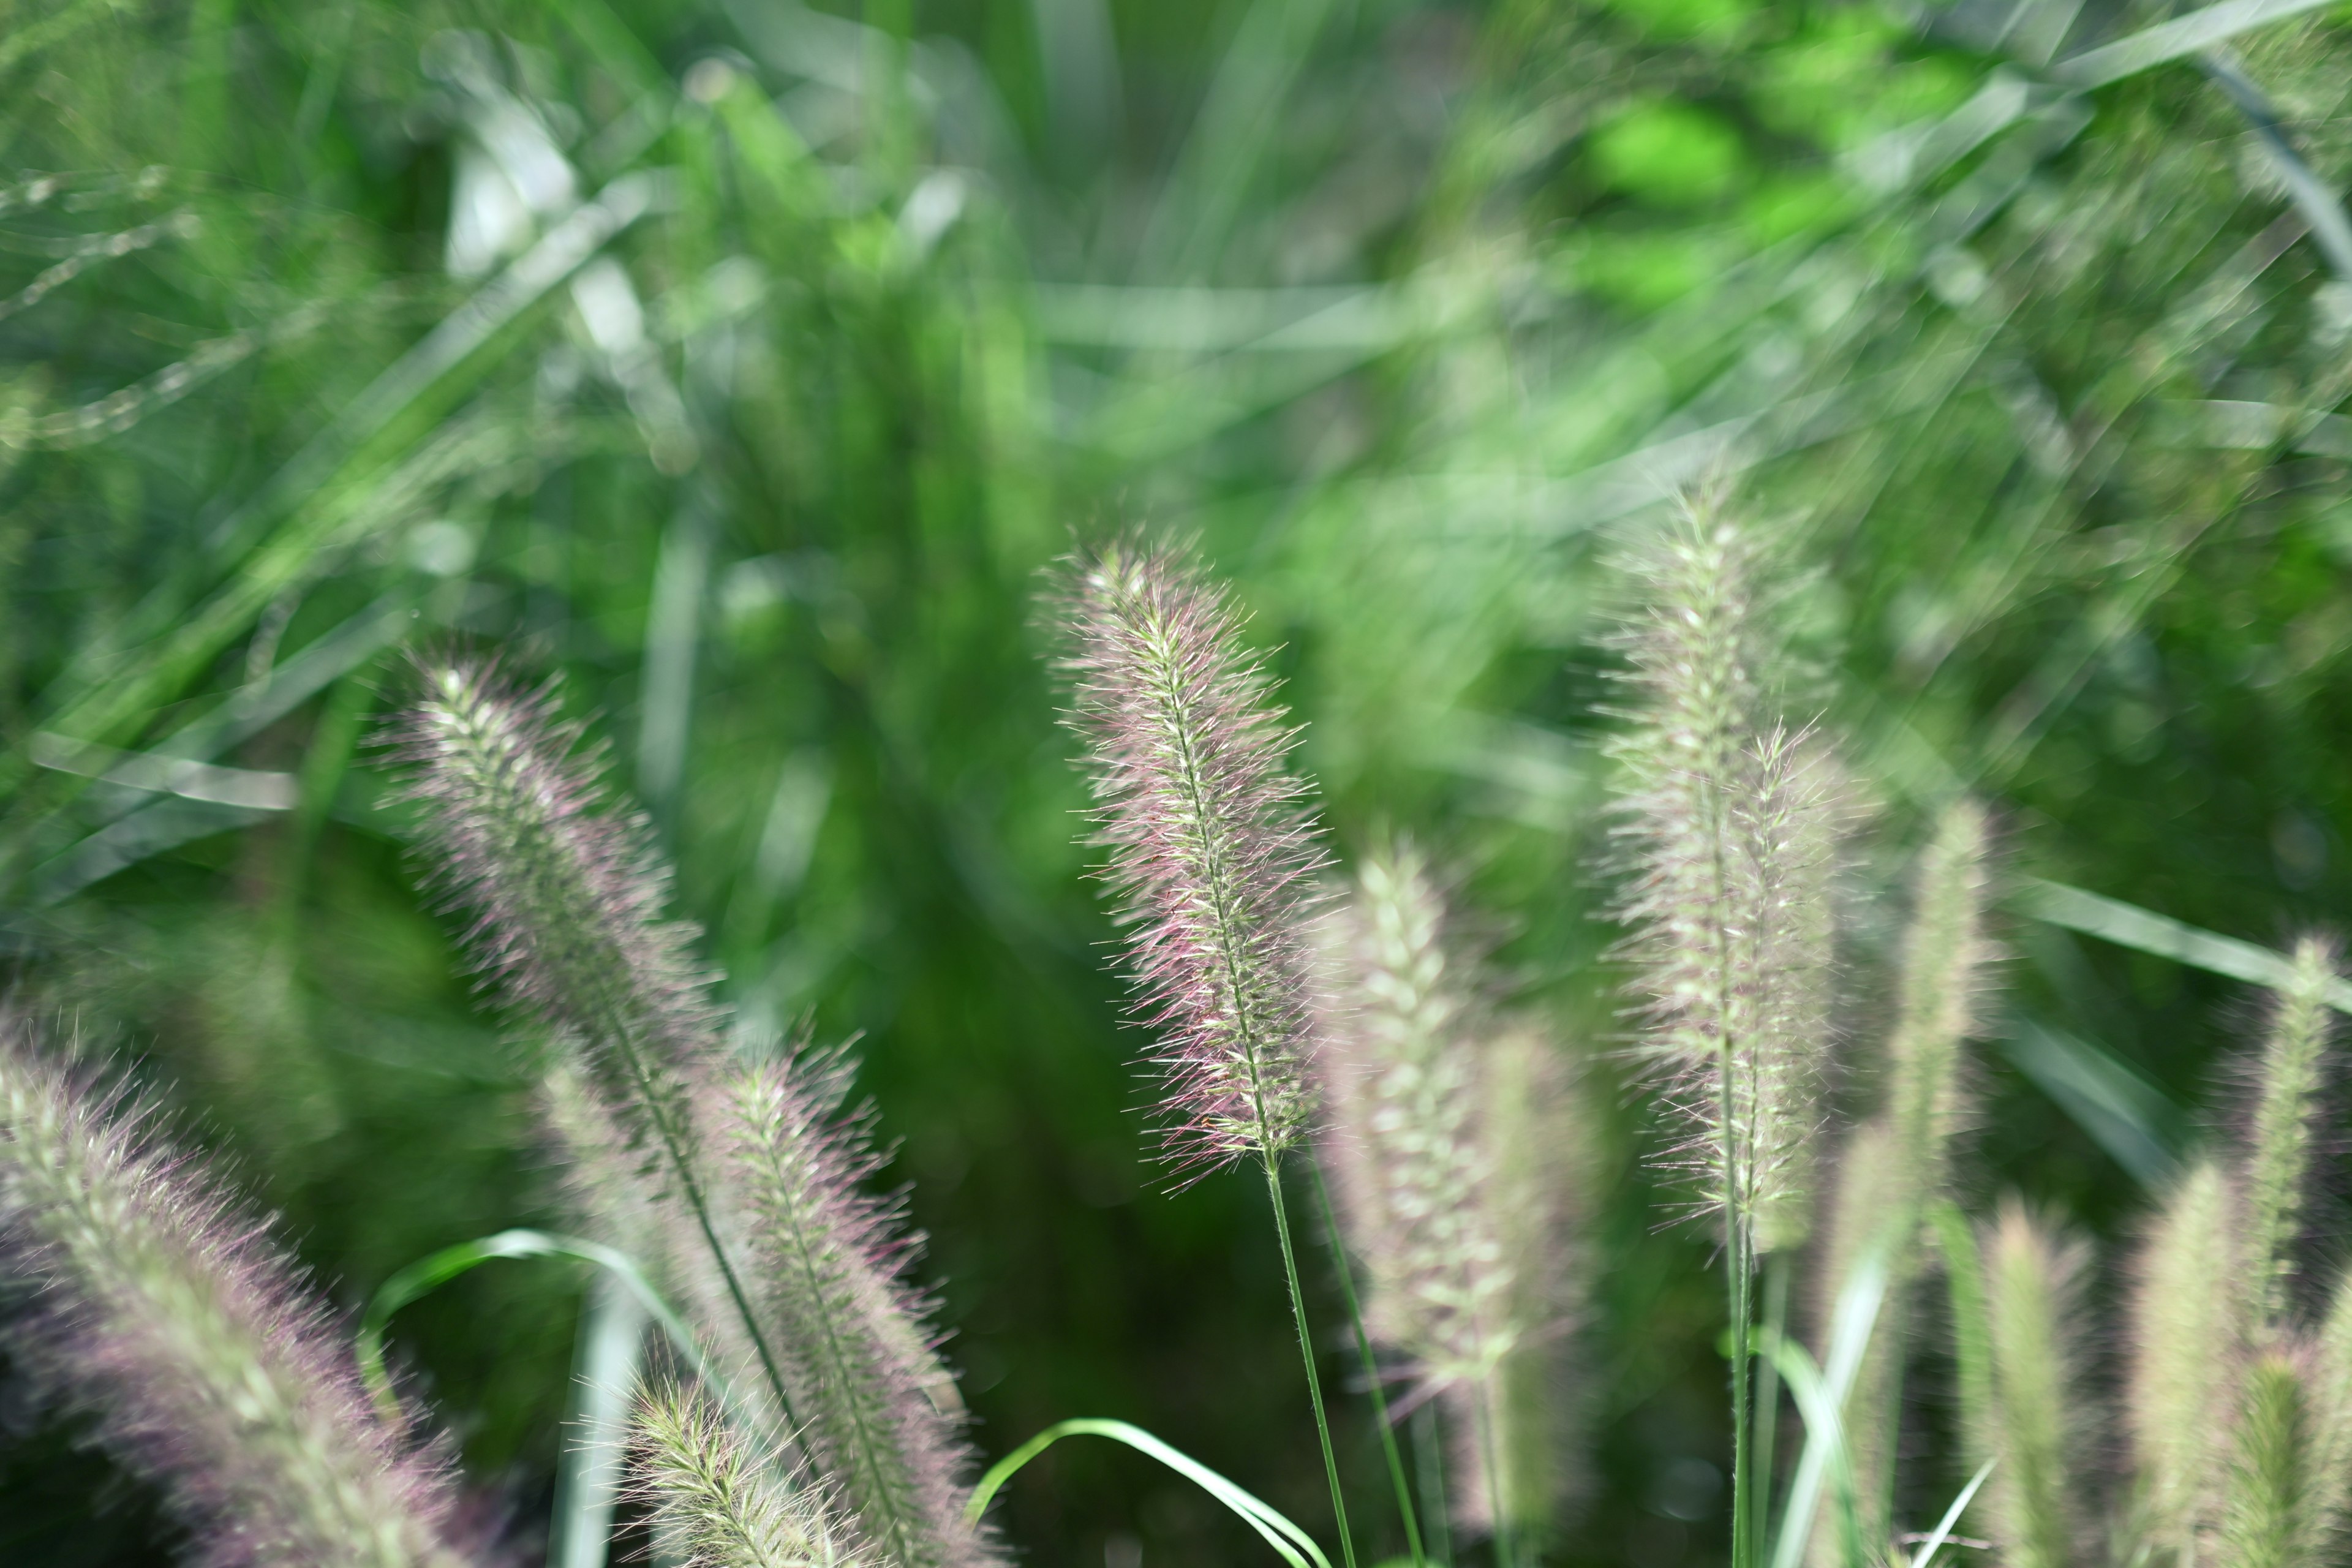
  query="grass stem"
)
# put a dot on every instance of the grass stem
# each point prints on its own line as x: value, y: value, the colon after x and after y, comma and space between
x: 1306, y: 1355
x: 1429, y: 1469
x: 1371, y: 1369
x: 1767, y: 1398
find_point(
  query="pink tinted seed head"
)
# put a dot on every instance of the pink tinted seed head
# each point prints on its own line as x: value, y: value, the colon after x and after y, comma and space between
x: 1212, y: 845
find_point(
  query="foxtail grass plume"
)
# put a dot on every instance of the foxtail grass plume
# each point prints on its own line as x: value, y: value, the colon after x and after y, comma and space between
x: 717, y: 1503
x: 1210, y: 844
x: 2034, y: 1499
x: 2331, y: 1421
x: 209, y: 1364
x: 1452, y: 1143
x: 1523, y: 1478
x: 865, y: 1383
x: 564, y: 891
x: 794, y: 1281
x: 2278, y: 1162
x: 1729, y: 824
x: 2181, y: 1390
x: 2267, y: 1520
x: 1400, y: 1081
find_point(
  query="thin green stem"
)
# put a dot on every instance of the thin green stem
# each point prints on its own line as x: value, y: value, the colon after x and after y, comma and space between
x: 1738, y: 1260
x: 675, y: 1147
x: 1306, y: 1354
x: 1506, y: 1543
x: 1768, y: 1396
x: 1429, y: 1466
x: 1742, y: 1290
x: 1372, y: 1367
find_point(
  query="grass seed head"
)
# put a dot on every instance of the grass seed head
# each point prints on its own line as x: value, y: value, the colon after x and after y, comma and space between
x: 1212, y: 845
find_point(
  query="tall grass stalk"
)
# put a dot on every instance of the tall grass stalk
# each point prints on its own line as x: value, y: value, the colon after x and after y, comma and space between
x: 1210, y: 853
x: 1449, y: 1139
x: 566, y: 903
x: 1728, y: 821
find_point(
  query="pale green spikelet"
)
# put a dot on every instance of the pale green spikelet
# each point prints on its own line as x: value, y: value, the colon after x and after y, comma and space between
x: 211, y: 1366
x: 1729, y: 824
x: 1785, y: 834
x: 2185, y: 1329
x: 2331, y: 1423
x: 1530, y: 1403
x: 1453, y: 1142
x: 1941, y: 984
x: 1399, y: 1076
x: 718, y: 1504
x: 2278, y: 1159
x: 2035, y: 1497
x: 848, y: 1331
x: 2266, y: 1519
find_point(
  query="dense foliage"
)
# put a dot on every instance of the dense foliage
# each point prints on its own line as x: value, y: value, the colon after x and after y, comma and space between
x: 747, y: 366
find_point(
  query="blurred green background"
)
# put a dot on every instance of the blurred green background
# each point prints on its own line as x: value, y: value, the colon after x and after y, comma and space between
x: 746, y: 363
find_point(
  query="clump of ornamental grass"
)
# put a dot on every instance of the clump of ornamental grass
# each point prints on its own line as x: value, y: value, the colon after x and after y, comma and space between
x: 717, y: 1502
x: 1728, y: 824
x: 1211, y: 851
x: 1450, y: 1137
x: 2236, y: 1410
x: 156, y: 1303
x: 793, y: 1275
x: 1895, y: 1165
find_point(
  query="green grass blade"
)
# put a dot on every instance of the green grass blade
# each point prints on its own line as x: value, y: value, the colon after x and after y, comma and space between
x: 430, y: 1273
x: 2125, y: 1114
x: 1820, y: 1394
x: 2128, y: 925
x: 2173, y: 41
x: 588, y: 1476
x: 1296, y: 1546
x: 1943, y: 1531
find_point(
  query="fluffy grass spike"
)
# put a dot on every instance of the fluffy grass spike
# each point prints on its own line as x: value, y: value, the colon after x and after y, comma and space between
x: 1519, y: 1482
x: 2278, y: 1162
x: 1210, y: 844
x: 717, y: 1504
x: 564, y: 891
x: 2035, y: 1496
x: 855, y: 1356
x: 2267, y: 1523
x: 209, y: 1364
x: 566, y: 898
x: 2179, y: 1391
x: 1727, y: 822
x: 1451, y: 1137
x: 1400, y: 1079
x: 1941, y: 984
x: 2331, y: 1422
